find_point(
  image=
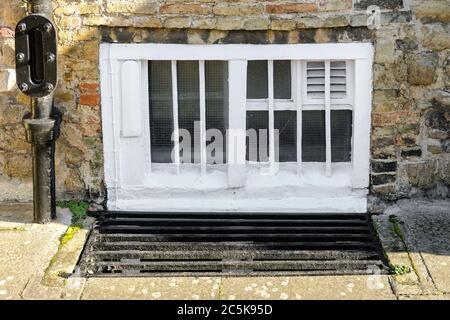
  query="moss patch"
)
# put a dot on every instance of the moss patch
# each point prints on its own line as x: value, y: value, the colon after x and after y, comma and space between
x: 78, y: 209
x: 396, y: 226
x: 69, y: 234
x: 401, y: 269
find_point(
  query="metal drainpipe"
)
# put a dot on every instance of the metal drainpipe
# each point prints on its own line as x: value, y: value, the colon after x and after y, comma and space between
x: 42, y: 127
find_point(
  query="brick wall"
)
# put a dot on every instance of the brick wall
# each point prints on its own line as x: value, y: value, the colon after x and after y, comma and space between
x: 410, y: 135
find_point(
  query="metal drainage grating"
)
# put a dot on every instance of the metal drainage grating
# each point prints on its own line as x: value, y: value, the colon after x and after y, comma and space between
x: 141, y: 243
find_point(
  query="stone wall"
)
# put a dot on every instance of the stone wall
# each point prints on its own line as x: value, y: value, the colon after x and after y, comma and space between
x: 410, y: 120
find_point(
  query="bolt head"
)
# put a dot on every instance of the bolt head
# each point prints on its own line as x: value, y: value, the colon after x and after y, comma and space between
x: 49, y: 87
x: 48, y: 27
x: 20, y: 56
x: 21, y: 26
x: 23, y: 86
x: 50, y: 57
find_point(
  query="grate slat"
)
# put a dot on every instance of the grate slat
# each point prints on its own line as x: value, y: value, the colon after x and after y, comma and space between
x: 153, y: 243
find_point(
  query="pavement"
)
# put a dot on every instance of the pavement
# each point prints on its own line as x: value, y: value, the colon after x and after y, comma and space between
x: 38, y: 262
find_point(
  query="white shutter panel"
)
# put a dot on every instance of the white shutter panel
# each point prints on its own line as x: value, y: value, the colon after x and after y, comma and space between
x: 315, y: 77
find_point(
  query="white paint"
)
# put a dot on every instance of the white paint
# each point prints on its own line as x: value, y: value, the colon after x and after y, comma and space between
x: 156, y: 51
x: 237, y: 94
x: 327, y: 120
x: 362, y: 122
x: 130, y: 86
x: 134, y: 184
x: 297, y: 84
x: 271, y: 112
x: 201, y: 69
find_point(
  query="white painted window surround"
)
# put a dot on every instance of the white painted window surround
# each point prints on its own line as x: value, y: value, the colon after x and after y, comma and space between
x: 133, y: 183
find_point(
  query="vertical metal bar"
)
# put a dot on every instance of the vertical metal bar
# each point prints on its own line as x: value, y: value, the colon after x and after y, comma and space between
x: 327, y: 119
x: 176, y: 133
x: 298, y: 101
x: 202, y: 116
x: 271, y: 113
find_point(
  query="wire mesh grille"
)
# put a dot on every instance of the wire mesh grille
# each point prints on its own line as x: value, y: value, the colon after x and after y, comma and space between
x: 161, y: 115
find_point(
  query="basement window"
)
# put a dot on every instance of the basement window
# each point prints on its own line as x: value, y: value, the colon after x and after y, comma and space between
x: 302, y: 108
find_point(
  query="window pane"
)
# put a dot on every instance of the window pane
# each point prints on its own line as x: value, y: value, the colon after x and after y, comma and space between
x: 282, y: 79
x: 189, y: 109
x: 286, y: 123
x: 257, y: 136
x: 216, y: 77
x: 161, y: 117
x: 257, y: 79
x: 341, y: 135
x: 313, y: 136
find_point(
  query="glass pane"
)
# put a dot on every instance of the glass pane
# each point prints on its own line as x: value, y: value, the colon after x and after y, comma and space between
x: 257, y: 136
x: 216, y: 77
x: 282, y: 79
x: 286, y: 123
x: 257, y: 79
x: 341, y: 135
x: 161, y: 118
x: 313, y: 136
x: 189, y: 110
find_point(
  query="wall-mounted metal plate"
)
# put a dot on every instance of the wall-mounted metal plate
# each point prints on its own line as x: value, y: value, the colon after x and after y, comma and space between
x: 36, y: 56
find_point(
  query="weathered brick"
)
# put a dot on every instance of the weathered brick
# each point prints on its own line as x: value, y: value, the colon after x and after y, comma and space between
x: 18, y: 166
x: 177, y: 22
x: 203, y: 23
x: 78, y: 8
x: 90, y: 99
x: 432, y: 11
x: 422, y: 68
x: 6, y: 32
x: 382, y: 4
x: 411, y: 152
x: 256, y: 24
x: 386, y: 192
x: 380, y: 166
x: 7, y: 80
x: 88, y: 87
x: 333, y: 5
x: 400, y: 117
x: 185, y: 9
x: 421, y: 174
x: 225, y: 9
x: 126, y: 6
x: 379, y: 142
x: 226, y: 23
x: 70, y: 22
x: 434, y: 148
x: 283, y: 24
x: 379, y: 179
x: 291, y: 8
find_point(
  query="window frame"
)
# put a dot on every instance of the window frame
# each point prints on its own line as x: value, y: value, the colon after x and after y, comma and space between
x: 119, y: 149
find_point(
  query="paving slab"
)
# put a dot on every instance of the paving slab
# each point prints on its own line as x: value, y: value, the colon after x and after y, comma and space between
x: 307, y: 288
x: 425, y: 227
x: 26, y: 248
x: 152, y: 288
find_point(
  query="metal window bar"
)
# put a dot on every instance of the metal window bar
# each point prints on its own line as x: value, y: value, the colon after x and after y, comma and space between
x: 176, y: 134
x: 327, y: 119
x: 297, y: 95
x: 202, y: 89
x: 271, y: 113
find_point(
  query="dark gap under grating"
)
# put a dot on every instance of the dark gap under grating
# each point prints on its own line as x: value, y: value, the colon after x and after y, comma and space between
x: 150, y: 244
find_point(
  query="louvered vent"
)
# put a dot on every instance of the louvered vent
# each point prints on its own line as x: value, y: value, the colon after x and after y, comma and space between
x: 315, y: 72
